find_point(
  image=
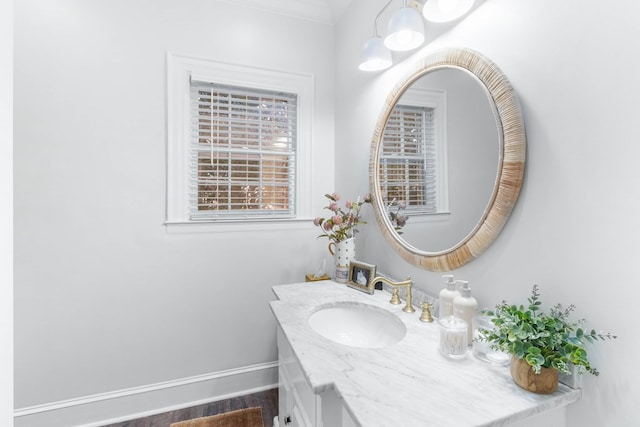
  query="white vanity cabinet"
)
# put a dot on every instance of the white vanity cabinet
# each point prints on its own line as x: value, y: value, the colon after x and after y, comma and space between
x: 408, y: 383
x: 299, y: 406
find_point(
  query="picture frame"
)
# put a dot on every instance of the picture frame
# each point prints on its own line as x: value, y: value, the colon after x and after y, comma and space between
x: 361, y: 276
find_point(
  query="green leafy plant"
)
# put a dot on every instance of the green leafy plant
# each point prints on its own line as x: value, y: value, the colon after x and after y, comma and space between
x: 544, y: 339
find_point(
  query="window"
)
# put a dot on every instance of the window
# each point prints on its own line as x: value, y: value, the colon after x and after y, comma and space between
x: 242, y: 152
x: 413, y: 157
x: 238, y: 143
x: 408, y: 159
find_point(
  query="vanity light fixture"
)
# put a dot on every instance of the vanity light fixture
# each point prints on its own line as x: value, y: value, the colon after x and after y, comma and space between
x: 445, y: 10
x: 375, y: 55
x: 406, y: 29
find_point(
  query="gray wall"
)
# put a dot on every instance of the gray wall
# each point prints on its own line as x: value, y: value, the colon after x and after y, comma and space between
x: 105, y: 298
x: 6, y: 212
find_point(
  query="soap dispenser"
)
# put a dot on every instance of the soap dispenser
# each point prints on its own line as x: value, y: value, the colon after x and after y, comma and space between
x: 465, y: 307
x: 446, y: 296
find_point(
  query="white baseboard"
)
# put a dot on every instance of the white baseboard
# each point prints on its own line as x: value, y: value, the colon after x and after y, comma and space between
x: 121, y: 405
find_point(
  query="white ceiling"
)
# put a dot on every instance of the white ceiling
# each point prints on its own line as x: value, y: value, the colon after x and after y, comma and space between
x: 323, y: 11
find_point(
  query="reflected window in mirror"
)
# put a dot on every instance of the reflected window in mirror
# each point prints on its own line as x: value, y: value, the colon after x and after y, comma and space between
x: 413, y: 156
x: 484, y: 164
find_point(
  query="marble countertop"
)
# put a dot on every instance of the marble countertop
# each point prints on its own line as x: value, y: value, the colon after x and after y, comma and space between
x: 408, y: 383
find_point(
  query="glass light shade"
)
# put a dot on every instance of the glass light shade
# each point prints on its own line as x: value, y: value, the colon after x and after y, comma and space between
x: 406, y: 30
x: 445, y: 10
x: 375, y: 56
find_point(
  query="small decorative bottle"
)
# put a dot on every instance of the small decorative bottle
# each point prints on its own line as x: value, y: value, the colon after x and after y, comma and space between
x: 446, y: 296
x: 465, y: 307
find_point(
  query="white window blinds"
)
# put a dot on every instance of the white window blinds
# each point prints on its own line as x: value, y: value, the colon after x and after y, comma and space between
x: 243, y: 152
x: 408, y: 162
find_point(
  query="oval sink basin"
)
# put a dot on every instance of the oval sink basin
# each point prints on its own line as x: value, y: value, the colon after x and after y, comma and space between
x: 357, y: 325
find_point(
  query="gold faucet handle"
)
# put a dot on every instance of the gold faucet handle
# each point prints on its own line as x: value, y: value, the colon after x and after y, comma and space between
x: 395, y: 298
x: 426, y: 312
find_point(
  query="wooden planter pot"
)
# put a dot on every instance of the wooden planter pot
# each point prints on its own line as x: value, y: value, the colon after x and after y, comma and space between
x: 543, y: 383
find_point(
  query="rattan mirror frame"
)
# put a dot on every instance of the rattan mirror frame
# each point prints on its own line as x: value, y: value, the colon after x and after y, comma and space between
x: 511, y: 167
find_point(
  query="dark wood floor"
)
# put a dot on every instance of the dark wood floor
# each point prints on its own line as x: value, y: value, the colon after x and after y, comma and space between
x: 268, y: 400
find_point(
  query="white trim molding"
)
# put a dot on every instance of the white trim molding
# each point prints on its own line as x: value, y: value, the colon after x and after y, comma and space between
x: 238, y: 226
x: 136, y: 402
x: 311, y: 10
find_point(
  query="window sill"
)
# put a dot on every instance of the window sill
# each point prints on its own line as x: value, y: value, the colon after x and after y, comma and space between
x: 429, y: 218
x: 177, y: 227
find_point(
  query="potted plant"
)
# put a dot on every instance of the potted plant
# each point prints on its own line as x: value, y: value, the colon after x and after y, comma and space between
x: 341, y: 223
x: 340, y: 228
x: 541, y: 344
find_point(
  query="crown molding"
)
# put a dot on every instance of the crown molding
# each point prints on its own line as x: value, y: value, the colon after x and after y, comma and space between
x: 310, y: 10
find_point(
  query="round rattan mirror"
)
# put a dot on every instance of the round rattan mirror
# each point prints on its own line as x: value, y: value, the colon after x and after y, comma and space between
x: 502, y: 175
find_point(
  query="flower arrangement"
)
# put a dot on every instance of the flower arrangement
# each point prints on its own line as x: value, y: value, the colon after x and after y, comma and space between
x: 543, y: 340
x: 341, y: 225
x: 398, y: 219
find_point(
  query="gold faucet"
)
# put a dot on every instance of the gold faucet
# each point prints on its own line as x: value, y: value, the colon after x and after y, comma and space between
x: 407, y: 284
x: 426, y: 312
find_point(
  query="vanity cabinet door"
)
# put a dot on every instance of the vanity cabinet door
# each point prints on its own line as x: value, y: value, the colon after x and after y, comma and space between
x: 299, y: 406
x: 332, y: 411
x: 285, y: 402
x: 298, y: 403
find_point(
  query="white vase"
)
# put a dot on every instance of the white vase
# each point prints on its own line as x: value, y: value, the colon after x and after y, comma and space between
x: 343, y: 253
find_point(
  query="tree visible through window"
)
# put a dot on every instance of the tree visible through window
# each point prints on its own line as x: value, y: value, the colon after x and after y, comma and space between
x: 243, y: 152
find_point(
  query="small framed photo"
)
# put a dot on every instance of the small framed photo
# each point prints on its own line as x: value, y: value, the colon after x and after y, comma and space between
x: 360, y: 276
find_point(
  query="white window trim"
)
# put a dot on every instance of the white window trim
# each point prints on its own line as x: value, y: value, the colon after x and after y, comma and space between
x: 180, y: 68
x: 437, y: 100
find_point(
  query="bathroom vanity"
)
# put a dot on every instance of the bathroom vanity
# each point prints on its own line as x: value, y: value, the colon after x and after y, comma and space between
x: 402, y: 382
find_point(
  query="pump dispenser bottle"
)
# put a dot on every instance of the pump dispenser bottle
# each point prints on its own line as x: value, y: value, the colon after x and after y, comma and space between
x: 465, y: 307
x: 446, y: 296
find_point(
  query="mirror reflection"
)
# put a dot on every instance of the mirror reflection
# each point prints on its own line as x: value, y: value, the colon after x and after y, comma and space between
x: 447, y: 159
x: 439, y: 159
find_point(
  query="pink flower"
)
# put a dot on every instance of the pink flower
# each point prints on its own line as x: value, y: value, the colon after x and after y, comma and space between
x: 402, y: 205
x: 341, y: 224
